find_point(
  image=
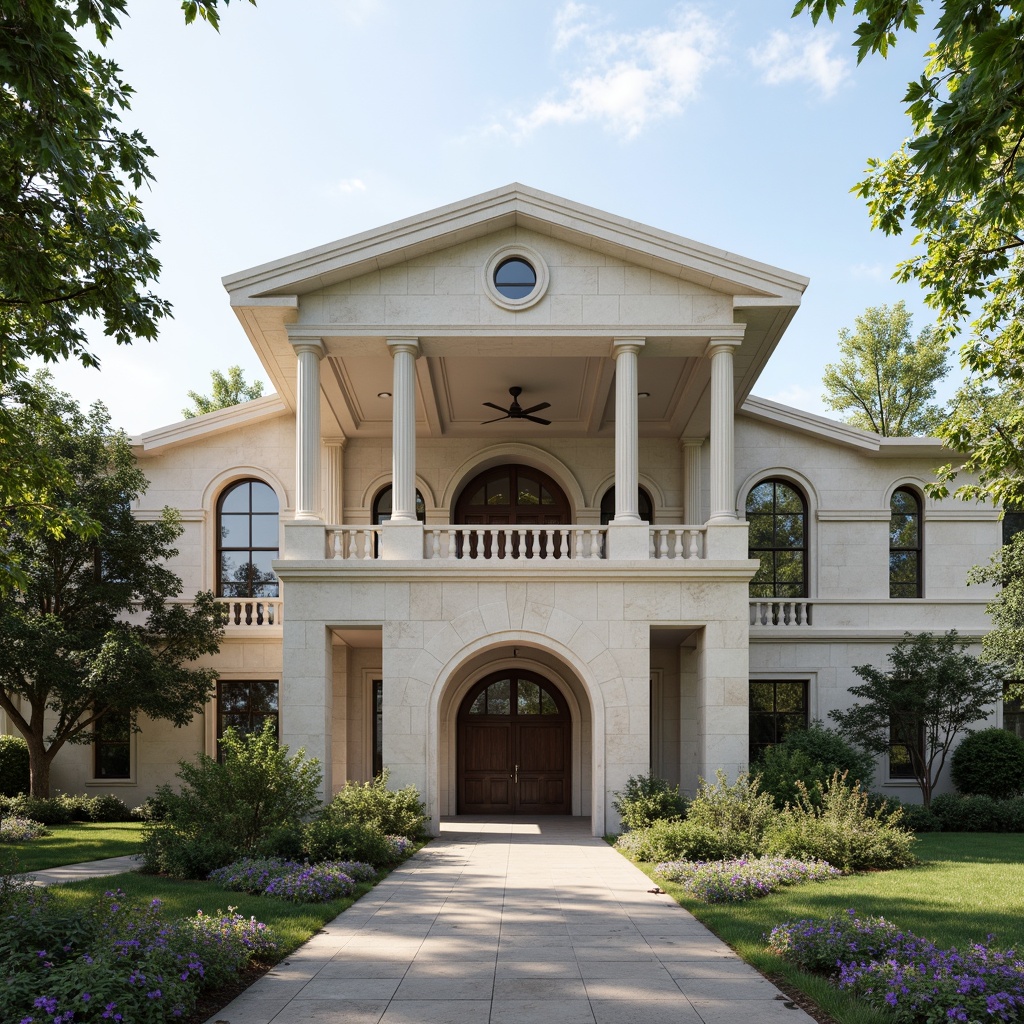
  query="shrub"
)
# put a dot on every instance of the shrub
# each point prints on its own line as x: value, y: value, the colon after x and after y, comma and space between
x: 919, y: 818
x: 811, y: 756
x: 841, y: 831
x: 252, y: 803
x: 51, y: 811
x: 907, y: 977
x: 151, y: 809
x: 959, y: 813
x: 329, y: 838
x: 21, y: 830
x: 731, y: 881
x: 680, y: 840
x: 290, y: 880
x: 989, y: 762
x: 108, y: 807
x: 647, y: 799
x: 393, y: 812
x: 13, y: 766
x: 740, y: 812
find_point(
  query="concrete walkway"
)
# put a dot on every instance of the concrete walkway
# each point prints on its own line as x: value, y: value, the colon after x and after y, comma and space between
x: 514, y: 922
x: 87, y: 869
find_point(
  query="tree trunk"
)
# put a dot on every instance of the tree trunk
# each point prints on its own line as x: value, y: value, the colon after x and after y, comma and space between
x: 38, y: 768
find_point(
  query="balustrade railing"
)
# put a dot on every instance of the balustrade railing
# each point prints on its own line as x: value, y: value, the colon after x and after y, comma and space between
x: 353, y: 543
x: 780, y: 612
x: 677, y: 541
x: 253, y: 612
x: 520, y: 542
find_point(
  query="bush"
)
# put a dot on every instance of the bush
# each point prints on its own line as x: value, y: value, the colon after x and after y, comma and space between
x: 21, y: 830
x: 108, y: 807
x: 740, y: 812
x: 732, y: 881
x: 811, y: 756
x: 959, y: 813
x: 288, y: 879
x: 329, y: 838
x: 252, y: 803
x: 841, y: 831
x: 919, y: 818
x: 393, y: 812
x: 680, y: 840
x: 989, y: 762
x: 13, y: 766
x: 151, y: 809
x: 66, y: 808
x: 647, y: 799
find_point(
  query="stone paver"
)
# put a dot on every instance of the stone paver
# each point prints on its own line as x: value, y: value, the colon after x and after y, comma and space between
x: 517, y: 921
x: 87, y: 869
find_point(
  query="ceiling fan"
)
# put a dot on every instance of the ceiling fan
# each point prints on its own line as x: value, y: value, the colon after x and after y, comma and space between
x: 516, y: 412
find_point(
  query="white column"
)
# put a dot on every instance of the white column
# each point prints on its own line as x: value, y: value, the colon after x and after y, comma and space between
x: 723, y: 484
x: 403, y: 431
x: 627, y: 431
x: 334, y: 508
x: 307, y: 429
x: 691, y: 479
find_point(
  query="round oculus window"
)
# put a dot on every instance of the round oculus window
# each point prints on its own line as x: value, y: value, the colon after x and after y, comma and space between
x: 515, y: 278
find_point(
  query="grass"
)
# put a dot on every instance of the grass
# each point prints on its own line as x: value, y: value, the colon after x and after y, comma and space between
x: 966, y: 889
x: 73, y: 844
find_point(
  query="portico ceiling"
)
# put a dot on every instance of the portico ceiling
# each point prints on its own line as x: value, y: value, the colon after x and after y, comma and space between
x: 466, y: 363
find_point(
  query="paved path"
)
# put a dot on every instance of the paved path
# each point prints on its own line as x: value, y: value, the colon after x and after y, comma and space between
x: 516, y: 922
x: 87, y: 869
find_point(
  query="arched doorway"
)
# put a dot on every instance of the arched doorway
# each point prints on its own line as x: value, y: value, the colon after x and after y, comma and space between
x: 514, y: 747
x: 510, y: 496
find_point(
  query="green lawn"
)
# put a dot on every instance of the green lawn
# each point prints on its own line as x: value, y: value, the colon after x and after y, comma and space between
x: 72, y: 844
x: 968, y: 887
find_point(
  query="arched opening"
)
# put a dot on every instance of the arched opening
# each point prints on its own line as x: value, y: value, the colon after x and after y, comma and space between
x: 514, y: 746
x: 645, y: 506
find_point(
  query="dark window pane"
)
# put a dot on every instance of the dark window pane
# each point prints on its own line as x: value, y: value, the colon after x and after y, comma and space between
x: 113, y: 761
x: 762, y: 696
x: 247, y: 520
x: 788, y: 500
x: 777, y: 708
x: 904, y: 502
x: 761, y: 531
x: 234, y: 531
x: 762, y: 729
x: 528, y: 698
x: 479, y: 497
x: 499, y: 697
x: 244, y: 705
x: 480, y: 704
x: 903, y: 531
x: 378, y: 727
x: 263, y: 498
x: 264, y: 532
x: 547, y: 703
x: 497, y: 492
x: 529, y: 491
x: 789, y: 697
x: 760, y: 500
x: 789, y: 531
x: 236, y: 499
x: 515, y: 278
x: 777, y: 531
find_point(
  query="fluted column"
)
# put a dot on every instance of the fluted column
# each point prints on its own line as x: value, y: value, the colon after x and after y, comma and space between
x: 334, y: 493
x: 307, y: 429
x: 691, y: 447
x: 403, y: 433
x: 723, y: 484
x: 627, y: 430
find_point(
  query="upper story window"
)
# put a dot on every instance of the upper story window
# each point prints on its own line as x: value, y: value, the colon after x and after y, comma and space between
x: 643, y: 503
x: 905, y: 551
x: 247, y: 540
x: 112, y: 746
x: 777, y: 514
x: 382, y: 506
x: 515, y: 278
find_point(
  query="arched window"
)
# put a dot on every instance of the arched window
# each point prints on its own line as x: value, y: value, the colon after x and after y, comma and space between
x: 382, y: 506
x: 643, y: 503
x: 905, y: 561
x: 777, y: 514
x: 247, y: 540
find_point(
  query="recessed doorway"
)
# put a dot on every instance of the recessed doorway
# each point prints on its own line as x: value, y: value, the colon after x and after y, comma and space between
x: 514, y: 747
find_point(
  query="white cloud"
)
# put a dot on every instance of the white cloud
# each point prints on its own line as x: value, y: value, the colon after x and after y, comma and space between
x: 349, y: 185
x: 625, y: 80
x: 802, y: 57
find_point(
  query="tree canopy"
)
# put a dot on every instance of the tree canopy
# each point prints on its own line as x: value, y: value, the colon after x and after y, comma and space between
x: 932, y: 691
x: 885, y: 380
x: 74, y: 245
x: 228, y: 390
x: 96, y: 631
x: 958, y: 185
x: 1004, y: 645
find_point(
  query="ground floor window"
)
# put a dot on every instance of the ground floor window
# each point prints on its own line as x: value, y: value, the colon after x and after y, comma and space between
x: 1013, y: 714
x: 777, y: 707
x: 112, y: 746
x: 901, y: 766
x: 245, y: 704
x: 378, y: 715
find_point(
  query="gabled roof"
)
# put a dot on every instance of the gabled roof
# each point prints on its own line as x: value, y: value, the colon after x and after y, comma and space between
x: 513, y: 205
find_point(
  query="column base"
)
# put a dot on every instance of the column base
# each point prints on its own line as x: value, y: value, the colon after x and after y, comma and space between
x: 305, y: 540
x: 401, y: 541
x: 726, y: 540
x: 628, y: 541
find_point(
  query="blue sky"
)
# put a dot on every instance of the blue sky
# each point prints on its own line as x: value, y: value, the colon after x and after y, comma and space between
x: 303, y: 121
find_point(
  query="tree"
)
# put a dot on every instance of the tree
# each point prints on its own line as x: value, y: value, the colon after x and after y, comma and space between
x: 74, y: 245
x: 227, y: 391
x: 96, y: 631
x: 958, y: 184
x: 1004, y: 645
x: 932, y: 692
x: 885, y: 380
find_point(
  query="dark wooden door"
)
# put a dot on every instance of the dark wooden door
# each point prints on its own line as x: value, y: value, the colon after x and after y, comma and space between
x: 514, y: 744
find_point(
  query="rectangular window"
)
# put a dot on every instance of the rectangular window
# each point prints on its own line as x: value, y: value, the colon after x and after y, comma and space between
x: 777, y: 707
x: 245, y: 704
x: 900, y: 764
x: 112, y: 746
x: 378, y: 714
x: 1013, y: 714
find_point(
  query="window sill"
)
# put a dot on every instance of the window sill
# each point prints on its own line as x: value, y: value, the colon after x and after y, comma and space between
x: 95, y: 783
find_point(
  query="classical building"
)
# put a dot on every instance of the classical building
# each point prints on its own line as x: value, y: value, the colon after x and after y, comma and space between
x: 514, y: 526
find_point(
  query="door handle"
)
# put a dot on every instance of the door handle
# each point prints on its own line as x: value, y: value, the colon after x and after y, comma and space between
x: 515, y: 776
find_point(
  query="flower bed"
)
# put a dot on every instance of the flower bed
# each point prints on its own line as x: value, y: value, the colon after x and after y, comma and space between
x: 292, y: 880
x: 21, y: 830
x: 899, y: 971
x: 744, y: 878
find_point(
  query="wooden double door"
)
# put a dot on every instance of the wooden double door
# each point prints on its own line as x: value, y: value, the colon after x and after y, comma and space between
x: 514, y: 743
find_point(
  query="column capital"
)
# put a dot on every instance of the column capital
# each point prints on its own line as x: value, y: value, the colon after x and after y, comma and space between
x: 410, y: 345
x: 691, y: 442
x: 334, y: 442
x: 716, y: 345
x: 313, y: 345
x: 627, y: 345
